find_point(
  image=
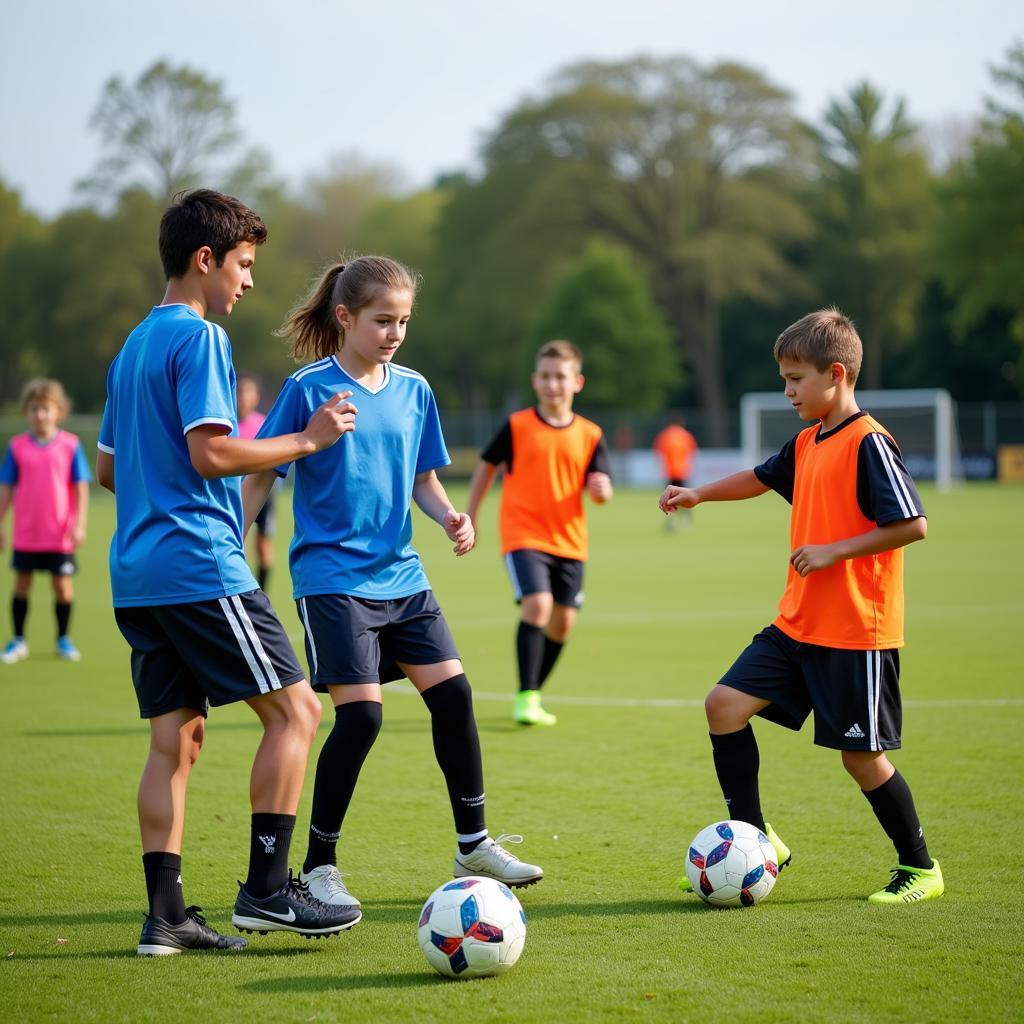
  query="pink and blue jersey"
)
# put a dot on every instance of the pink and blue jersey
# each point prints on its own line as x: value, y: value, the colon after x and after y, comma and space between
x: 249, y: 426
x: 43, y: 475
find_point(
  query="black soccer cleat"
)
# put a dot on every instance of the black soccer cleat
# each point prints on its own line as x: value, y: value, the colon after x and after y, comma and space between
x: 292, y: 909
x: 159, y: 938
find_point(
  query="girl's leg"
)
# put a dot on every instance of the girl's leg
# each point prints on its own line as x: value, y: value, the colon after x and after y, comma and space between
x: 357, y: 720
x: 446, y: 692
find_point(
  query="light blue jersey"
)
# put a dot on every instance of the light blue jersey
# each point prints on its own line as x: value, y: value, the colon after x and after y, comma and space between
x: 178, y: 537
x: 353, y: 518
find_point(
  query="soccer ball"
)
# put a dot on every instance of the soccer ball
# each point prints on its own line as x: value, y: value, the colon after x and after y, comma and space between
x: 732, y: 864
x: 472, y: 927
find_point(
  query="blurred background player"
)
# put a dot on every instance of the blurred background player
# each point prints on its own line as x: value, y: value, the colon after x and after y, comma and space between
x: 46, y: 473
x: 834, y: 647
x: 677, y: 447
x: 369, y: 613
x: 250, y: 419
x: 551, y: 456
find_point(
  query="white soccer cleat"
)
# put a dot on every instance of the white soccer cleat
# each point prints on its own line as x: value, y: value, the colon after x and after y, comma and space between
x: 325, y: 883
x: 492, y: 860
x: 16, y: 650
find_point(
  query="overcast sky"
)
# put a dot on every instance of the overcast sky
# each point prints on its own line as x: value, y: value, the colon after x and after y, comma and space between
x: 417, y: 84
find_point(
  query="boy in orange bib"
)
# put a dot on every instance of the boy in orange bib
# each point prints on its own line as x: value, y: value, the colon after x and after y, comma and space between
x: 834, y: 648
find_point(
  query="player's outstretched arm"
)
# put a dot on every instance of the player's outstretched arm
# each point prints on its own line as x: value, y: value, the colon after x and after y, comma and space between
x: 737, y: 487
x: 811, y: 557
x: 214, y: 454
x: 256, y: 489
x: 479, y: 485
x: 599, y: 487
x: 431, y: 497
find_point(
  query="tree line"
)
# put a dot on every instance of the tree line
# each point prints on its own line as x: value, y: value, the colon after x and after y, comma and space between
x: 668, y: 216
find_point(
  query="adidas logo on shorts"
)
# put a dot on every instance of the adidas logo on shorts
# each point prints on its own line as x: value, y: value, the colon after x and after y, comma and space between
x: 855, y: 732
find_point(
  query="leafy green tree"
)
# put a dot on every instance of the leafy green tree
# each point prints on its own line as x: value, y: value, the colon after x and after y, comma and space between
x: 603, y: 305
x: 172, y: 128
x: 688, y: 167
x: 875, y: 212
x: 980, y: 240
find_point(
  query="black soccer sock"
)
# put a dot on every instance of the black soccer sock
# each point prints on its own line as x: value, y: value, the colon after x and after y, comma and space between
x: 269, y: 842
x: 893, y: 805
x: 163, y: 886
x: 530, y: 653
x: 19, y: 613
x: 62, y: 611
x: 261, y: 577
x: 457, y: 749
x: 552, y: 649
x: 737, y: 763
x: 355, y: 728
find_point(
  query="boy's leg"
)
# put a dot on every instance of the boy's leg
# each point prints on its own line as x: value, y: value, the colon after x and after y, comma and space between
x: 16, y: 648
x: 446, y: 692
x: 535, y: 614
x: 734, y: 746
x: 560, y: 625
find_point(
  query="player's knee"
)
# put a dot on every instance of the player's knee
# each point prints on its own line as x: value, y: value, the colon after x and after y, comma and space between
x: 724, y: 712
x: 360, y: 721
x: 451, y: 698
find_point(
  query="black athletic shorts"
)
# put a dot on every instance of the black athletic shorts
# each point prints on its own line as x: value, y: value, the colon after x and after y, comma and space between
x: 209, y: 652
x: 265, y: 519
x: 59, y: 563
x: 355, y: 640
x: 537, y: 572
x: 855, y: 695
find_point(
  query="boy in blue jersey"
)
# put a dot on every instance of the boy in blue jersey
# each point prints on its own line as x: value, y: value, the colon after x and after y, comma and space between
x: 200, y: 631
x: 363, y: 597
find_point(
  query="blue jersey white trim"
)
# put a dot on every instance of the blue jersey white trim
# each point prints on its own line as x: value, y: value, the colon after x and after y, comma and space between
x: 178, y: 537
x: 352, y: 501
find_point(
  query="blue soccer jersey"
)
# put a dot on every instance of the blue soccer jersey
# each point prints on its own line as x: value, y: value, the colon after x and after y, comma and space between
x: 353, y: 518
x: 178, y: 537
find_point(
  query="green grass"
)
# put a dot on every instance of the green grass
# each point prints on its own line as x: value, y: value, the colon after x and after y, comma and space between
x: 607, y: 801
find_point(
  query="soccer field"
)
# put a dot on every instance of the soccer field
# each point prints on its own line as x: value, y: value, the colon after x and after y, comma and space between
x: 608, y: 801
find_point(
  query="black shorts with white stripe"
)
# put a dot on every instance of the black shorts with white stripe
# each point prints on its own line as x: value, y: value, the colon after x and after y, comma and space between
x: 855, y: 695
x: 208, y: 652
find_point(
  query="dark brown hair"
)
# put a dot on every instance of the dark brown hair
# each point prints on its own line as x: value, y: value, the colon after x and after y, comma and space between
x: 313, y: 325
x: 204, y: 217
x: 821, y: 339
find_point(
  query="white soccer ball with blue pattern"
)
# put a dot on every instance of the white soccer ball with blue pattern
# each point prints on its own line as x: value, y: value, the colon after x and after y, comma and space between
x: 472, y: 927
x: 732, y: 864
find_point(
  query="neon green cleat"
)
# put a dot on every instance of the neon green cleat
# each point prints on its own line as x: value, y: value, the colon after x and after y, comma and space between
x: 782, y: 855
x: 528, y: 710
x: 911, y: 885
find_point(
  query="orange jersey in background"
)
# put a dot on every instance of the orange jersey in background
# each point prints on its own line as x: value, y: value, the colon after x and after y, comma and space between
x: 676, y: 446
x: 542, y: 497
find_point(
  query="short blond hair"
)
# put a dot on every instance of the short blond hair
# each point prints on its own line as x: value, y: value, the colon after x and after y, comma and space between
x: 43, y: 389
x: 561, y: 349
x: 821, y: 339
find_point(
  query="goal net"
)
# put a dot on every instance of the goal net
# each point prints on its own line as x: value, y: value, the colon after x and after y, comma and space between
x: 923, y: 421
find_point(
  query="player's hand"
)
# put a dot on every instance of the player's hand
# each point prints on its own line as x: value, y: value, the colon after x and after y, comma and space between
x: 77, y: 536
x: 811, y: 557
x: 599, y: 487
x: 460, y: 530
x: 677, y: 497
x: 334, y: 418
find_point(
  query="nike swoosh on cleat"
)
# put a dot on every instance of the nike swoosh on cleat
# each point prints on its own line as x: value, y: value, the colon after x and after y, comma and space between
x: 289, y: 917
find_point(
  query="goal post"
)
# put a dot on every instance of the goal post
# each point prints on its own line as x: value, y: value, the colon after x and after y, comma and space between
x: 923, y: 421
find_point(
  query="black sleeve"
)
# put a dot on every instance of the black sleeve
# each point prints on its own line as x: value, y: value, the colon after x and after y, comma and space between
x: 779, y: 471
x: 599, y: 461
x: 500, y: 448
x: 885, y: 490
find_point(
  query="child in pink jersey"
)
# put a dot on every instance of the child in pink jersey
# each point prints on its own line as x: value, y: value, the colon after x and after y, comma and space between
x: 250, y: 419
x: 46, y: 474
